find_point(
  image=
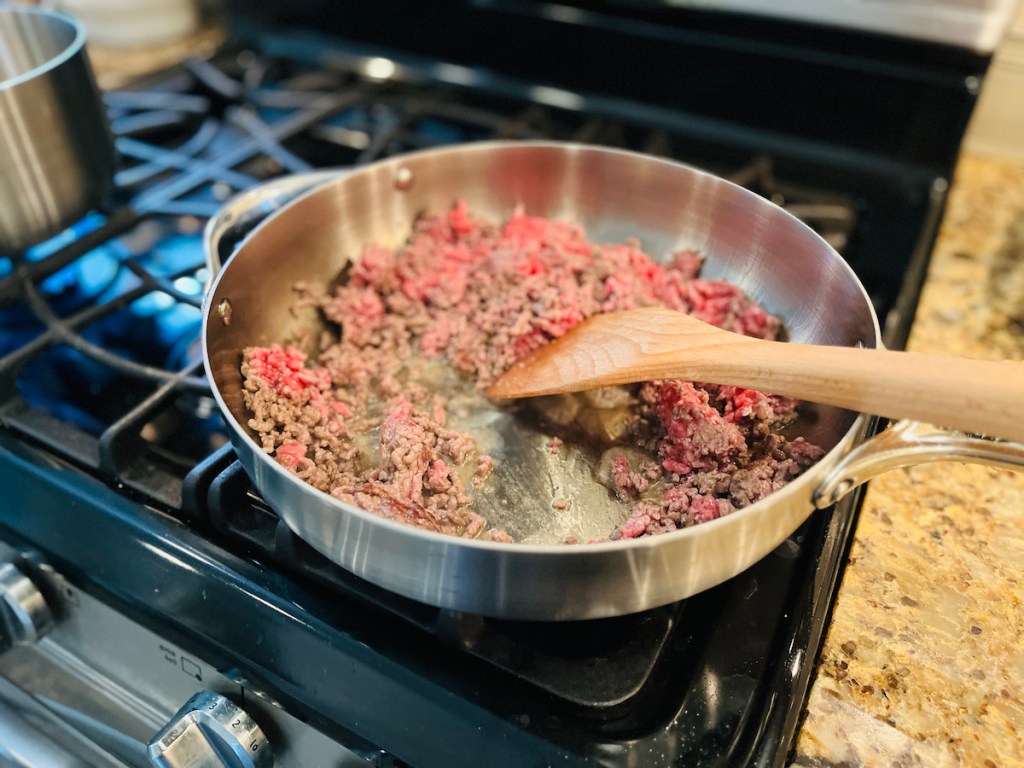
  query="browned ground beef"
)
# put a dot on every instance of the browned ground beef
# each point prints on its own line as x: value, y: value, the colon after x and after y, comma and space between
x: 475, y: 297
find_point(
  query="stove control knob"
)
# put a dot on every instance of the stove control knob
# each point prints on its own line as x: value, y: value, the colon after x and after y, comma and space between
x: 24, y: 614
x: 210, y: 732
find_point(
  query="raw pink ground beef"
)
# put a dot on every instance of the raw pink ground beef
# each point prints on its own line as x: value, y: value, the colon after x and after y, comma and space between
x: 479, y: 296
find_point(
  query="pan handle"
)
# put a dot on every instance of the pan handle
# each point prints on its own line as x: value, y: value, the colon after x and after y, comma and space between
x: 908, y: 443
x: 240, y: 215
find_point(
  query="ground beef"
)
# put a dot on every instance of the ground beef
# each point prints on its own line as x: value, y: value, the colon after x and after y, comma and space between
x: 475, y: 296
x: 629, y: 482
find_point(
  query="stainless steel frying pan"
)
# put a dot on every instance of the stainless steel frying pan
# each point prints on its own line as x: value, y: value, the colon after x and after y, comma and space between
x: 615, y: 195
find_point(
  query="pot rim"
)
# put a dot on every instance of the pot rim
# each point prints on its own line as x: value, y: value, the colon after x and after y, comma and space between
x: 66, y: 54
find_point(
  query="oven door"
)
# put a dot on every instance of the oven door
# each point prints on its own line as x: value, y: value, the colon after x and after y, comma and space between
x: 82, y: 685
x: 32, y: 736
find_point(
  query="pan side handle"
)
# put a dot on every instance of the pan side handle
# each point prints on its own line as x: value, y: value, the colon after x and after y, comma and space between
x: 906, y: 444
x: 240, y: 215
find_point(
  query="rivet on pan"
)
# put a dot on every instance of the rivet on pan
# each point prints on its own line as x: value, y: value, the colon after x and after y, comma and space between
x: 224, y: 309
x: 404, y: 179
x: 843, y: 488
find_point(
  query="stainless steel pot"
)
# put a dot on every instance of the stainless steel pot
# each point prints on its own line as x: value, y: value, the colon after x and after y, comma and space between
x: 56, y: 150
x: 775, y: 258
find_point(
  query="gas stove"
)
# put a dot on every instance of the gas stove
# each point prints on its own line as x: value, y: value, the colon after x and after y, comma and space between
x: 152, y: 597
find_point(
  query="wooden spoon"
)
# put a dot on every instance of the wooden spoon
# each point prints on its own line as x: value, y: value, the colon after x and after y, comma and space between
x: 655, y: 343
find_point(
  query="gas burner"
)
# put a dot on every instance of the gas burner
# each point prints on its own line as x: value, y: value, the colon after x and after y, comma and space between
x: 73, y: 286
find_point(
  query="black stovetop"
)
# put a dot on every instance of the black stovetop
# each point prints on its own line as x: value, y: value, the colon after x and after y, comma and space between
x: 112, y: 442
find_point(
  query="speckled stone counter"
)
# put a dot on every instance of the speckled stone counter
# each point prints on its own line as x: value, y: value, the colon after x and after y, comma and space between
x: 923, y: 664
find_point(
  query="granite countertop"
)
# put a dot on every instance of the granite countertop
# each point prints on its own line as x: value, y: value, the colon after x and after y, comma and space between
x: 923, y: 664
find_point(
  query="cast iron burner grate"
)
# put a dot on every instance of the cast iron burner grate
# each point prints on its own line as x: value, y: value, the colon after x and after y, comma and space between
x: 101, y: 367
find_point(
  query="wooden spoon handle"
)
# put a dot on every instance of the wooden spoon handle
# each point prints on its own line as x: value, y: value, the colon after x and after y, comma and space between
x: 970, y: 395
x: 979, y: 396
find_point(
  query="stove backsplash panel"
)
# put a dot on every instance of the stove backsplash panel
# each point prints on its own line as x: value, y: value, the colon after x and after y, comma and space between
x: 904, y: 100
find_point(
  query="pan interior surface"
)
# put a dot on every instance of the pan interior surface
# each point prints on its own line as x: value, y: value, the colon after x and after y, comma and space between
x: 615, y: 196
